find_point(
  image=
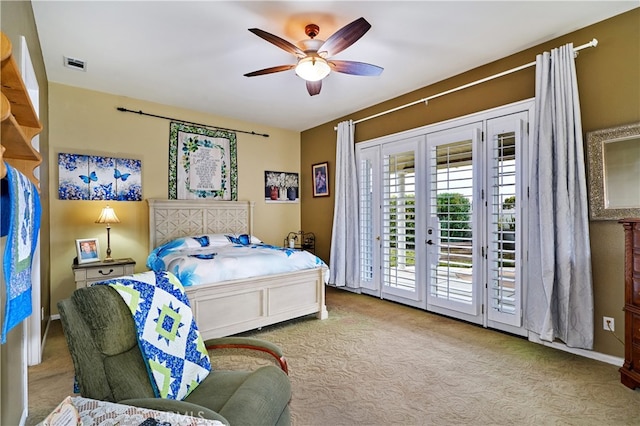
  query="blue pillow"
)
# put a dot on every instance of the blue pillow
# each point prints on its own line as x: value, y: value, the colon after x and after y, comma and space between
x: 242, y: 239
x: 204, y: 240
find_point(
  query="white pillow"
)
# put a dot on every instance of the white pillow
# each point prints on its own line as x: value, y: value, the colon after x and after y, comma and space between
x: 237, y: 239
x: 197, y: 241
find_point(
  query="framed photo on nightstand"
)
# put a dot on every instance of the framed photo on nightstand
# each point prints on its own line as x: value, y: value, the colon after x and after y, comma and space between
x: 88, y: 250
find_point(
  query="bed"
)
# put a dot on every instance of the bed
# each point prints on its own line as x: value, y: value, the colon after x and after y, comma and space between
x: 230, y: 307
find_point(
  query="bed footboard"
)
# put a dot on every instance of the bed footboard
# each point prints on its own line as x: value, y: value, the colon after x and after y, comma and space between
x: 231, y: 307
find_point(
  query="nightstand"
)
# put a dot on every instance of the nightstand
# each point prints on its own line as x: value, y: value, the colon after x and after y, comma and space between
x: 88, y: 273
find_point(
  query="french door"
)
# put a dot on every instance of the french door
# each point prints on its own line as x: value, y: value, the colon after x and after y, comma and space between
x: 400, y: 272
x: 441, y: 214
x: 506, y: 188
x: 389, y: 237
x: 454, y: 188
x: 369, y: 182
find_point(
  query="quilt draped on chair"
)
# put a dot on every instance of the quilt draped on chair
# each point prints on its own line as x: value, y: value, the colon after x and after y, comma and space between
x: 173, y: 349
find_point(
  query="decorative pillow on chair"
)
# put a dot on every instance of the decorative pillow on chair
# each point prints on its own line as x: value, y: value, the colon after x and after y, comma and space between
x: 174, y: 351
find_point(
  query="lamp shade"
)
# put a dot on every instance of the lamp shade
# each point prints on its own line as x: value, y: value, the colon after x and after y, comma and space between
x: 312, y: 68
x: 108, y: 216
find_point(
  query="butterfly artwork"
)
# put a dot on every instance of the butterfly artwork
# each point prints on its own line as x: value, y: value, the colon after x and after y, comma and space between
x: 128, y: 182
x: 122, y: 176
x: 88, y: 179
x: 74, y: 176
x: 103, y: 191
x: 101, y: 180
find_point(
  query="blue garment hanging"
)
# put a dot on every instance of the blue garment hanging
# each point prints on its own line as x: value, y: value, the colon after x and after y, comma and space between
x: 20, y: 221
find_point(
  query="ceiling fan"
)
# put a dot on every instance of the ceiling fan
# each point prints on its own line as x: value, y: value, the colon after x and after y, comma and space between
x: 313, y: 54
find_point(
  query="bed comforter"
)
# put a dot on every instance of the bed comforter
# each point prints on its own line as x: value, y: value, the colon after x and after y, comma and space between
x: 215, y: 258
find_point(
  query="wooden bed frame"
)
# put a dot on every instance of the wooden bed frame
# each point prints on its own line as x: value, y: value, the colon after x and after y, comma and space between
x: 231, y: 307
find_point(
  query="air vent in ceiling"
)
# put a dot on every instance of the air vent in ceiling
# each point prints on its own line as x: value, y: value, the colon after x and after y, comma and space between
x: 76, y: 64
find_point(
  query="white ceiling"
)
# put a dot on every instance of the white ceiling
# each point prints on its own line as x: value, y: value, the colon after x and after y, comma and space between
x: 193, y: 54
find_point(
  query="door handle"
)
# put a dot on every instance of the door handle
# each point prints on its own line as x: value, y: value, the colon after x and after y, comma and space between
x: 430, y: 242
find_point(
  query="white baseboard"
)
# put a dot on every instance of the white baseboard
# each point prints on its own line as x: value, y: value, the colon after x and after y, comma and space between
x: 44, y: 338
x: 54, y: 317
x: 598, y: 356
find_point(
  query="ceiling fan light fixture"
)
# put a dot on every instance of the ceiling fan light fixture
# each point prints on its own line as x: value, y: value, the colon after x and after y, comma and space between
x: 312, y: 68
x: 312, y: 54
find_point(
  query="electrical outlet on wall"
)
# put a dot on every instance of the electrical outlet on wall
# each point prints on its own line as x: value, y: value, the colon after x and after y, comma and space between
x: 608, y: 324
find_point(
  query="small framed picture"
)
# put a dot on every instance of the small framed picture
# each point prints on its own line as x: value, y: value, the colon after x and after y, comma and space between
x: 88, y: 250
x: 320, y: 174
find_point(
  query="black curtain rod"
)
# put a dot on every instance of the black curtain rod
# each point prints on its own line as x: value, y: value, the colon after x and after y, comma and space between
x: 191, y: 122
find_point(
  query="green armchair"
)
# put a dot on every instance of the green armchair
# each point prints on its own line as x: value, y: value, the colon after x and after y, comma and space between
x: 109, y: 366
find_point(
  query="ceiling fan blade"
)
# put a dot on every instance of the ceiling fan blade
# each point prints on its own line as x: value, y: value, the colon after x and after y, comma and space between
x: 345, y: 37
x: 355, y: 68
x: 313, y: 87
x: 281, y: 43
x: 270, y: 70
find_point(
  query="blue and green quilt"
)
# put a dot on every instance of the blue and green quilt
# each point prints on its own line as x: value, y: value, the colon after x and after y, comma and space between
x: 20, y: 221
x: 174, y: 351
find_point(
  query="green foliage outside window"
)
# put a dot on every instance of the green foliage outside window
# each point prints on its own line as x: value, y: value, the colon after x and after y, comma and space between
x: 453, y: 213
x: 509, y: 203
x: 408, y: 221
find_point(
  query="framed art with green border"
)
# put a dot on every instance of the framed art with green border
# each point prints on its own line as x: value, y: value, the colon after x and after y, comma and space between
x: 202, y: 163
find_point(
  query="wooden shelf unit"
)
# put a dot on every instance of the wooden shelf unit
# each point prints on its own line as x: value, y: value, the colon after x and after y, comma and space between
x: 630, y: 370
x: 19, y: 121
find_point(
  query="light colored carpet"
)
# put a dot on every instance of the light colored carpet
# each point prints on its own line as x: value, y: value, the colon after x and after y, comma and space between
x: 375, y: 362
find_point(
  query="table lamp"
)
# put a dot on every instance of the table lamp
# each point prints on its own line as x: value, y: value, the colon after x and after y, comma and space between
x: 108, y: 216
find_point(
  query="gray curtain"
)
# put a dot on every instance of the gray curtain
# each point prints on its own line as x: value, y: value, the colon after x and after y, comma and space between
x: 345, y: 249
x: 559, y: 289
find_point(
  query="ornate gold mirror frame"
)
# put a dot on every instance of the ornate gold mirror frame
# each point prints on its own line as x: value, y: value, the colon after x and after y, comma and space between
x: 614, y: 172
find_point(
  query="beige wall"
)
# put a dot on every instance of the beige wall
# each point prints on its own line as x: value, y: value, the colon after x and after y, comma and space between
x: 87, y: 122
x: 609, y: 86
